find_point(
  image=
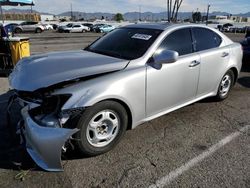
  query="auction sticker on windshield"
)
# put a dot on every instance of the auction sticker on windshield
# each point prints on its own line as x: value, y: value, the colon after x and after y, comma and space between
x: 141, y: 36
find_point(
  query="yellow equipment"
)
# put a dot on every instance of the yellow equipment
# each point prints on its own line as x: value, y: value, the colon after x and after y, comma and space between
x: 19, y: 47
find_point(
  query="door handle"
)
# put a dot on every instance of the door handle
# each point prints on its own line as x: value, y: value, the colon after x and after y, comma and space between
x: 194, y: 63
x: 225, y: 54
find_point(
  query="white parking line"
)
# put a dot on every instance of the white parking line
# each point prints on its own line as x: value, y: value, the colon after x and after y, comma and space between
x: 166, y: 180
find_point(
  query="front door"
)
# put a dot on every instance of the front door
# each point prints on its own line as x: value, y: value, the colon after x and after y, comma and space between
x: 176, y: 83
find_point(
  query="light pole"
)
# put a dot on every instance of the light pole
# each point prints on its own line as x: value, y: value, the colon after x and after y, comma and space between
x: 208, y: 7
x: 71, y: 11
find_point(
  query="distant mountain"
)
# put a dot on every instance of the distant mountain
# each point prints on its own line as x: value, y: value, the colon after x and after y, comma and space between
x: 218, y: 13
x: 130, y: 16
x: 87, y: 16
x: 244, y: 15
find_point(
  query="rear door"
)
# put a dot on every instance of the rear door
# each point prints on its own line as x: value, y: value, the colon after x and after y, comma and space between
x: 214, y: 59
x: 29, y: 26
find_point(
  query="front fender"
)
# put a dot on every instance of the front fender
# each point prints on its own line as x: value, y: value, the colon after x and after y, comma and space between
x: 127, y: 86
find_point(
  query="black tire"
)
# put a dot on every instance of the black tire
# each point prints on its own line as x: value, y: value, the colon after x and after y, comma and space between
x: 83, y: 142
x: 18, y: 30
x: 38, y: 30
x: 229, y: 77
x: 83, y: 31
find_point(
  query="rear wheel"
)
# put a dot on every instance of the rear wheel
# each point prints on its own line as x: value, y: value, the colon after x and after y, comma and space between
x: 18, y: 30
x: 225, y: 85
x: 101, y: 128
x: 38, y: 30
x: 83, y: 31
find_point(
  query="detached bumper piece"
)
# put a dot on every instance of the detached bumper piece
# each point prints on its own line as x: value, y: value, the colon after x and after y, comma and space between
x: 44, y: 144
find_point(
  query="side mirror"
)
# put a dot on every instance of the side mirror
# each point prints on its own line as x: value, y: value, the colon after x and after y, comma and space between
x: 165, y: 56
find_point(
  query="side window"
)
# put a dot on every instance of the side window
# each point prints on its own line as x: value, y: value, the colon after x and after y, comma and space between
x: 180, y: 41
x: 205, y: 39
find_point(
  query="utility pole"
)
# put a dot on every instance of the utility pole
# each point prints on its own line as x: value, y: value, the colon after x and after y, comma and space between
x: 71, y: 11
x: 140, y: 13
x: 208, y: 7
x: 168, y: 10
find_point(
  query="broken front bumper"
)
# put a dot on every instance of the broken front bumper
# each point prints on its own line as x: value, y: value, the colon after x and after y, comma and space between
x: 44, y: 144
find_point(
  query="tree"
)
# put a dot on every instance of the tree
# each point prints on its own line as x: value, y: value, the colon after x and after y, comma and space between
x: 196, y: 17
x: 118, y: 17
x: 173, y: 9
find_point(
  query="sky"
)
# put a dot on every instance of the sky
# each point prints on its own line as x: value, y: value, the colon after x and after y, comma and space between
x: 114, y: 6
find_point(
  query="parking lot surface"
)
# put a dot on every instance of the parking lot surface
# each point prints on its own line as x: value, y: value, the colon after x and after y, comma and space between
x: 206, y: 144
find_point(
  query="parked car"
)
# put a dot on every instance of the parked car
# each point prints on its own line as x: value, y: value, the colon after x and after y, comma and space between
x: 48, y: 27
x: 226, y: 27
x: 237, y: 29
x: 74, y: 28
x: 105, y: 29
x: 10, y: 28
x: 247, y: 32
x: 89, y: 25
x: 95, y: 28
x: 246, y: 49
x: 29, y: 26
x: 61, y: 28
x: 55, y: 26
x: 89, y: 98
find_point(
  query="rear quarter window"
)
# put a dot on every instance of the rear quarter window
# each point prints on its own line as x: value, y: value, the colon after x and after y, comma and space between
x: 206, y: 39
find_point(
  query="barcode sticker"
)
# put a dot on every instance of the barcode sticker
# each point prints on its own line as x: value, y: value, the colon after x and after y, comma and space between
x: 141, y: 36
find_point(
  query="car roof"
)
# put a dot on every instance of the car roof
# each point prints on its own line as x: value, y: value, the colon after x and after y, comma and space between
x: 159, y: 26
x: 163, y: 26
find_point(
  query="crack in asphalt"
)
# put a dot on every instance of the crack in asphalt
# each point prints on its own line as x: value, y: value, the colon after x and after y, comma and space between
x: 125, y: 174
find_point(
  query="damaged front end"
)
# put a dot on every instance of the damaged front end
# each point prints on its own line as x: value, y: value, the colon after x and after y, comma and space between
x: 45, y: 127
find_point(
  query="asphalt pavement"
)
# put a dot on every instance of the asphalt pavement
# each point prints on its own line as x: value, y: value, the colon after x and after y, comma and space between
x: 206, y: 144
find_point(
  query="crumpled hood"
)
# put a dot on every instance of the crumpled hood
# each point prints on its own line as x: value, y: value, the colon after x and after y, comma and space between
x: 45, y: 70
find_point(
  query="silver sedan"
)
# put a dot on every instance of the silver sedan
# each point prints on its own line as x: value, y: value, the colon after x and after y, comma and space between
x: 87, y: 99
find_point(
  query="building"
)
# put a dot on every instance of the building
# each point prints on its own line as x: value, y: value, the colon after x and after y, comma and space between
x: 229, y: 19
x: 21, y: 17
x: 246, y: 19
x: 218, y: 17
x: 236, y: 18
x: 64, y: 18
x: 47, y: 17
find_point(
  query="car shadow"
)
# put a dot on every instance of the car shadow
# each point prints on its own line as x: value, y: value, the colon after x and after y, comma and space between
x: 245, y: 66
x: 12, y: 154
x: 244, y: 81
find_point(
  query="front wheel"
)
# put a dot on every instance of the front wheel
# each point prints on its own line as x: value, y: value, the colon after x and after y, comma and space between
x: 101, y: 128
x: 18, y: 30
x: 225, y: 86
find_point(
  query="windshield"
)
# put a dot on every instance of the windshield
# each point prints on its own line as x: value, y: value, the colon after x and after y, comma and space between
x: 69, y: 25
x: 125, y: 43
